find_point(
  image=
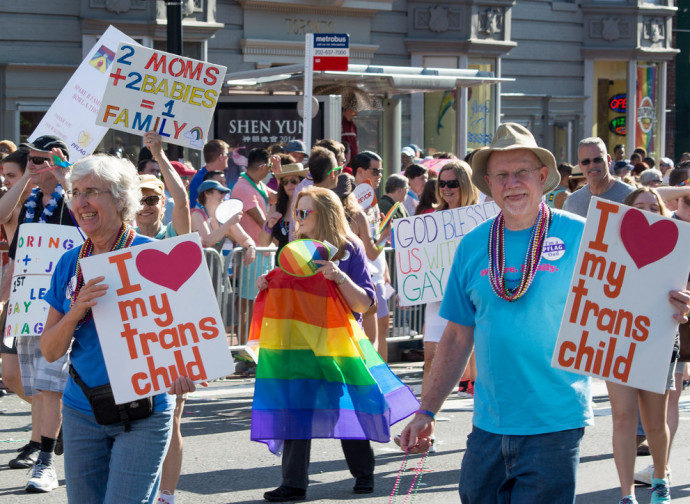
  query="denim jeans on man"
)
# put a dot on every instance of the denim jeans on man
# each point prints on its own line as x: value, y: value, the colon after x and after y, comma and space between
x: 105, y: 464
x: 501, y: 469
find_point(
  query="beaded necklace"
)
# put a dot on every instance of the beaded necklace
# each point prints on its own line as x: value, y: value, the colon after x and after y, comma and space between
x: 124, y: 239
x: 414, y: 486
x: 32, y: 202
x: 497, y: 258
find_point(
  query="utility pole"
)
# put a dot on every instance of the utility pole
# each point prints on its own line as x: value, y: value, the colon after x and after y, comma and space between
x: 174, y: 46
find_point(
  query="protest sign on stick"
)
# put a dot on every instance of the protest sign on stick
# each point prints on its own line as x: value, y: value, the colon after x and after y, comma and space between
x: 39, y: 247
x: 72, y: 116
x: 425, y: 246
x: 154, y: 90
x: 159, y: 318
x: 618, y: 323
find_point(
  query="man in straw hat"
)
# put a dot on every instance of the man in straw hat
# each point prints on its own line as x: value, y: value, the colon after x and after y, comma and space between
x: 529, y: 418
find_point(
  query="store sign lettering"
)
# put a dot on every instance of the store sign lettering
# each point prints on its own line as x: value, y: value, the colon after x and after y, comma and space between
x: 617, y: 126
x: 618, y: 103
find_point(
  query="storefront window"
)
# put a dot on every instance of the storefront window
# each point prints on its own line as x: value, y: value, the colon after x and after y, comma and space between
x: 610, y: 102
x: 647, y: 113
x: 480, y: 110
x: 439, y: 111
x: 27, y: 123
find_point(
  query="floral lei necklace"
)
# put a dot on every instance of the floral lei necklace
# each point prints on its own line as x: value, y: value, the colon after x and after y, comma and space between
x: 32, y: 202
x: 497, y: 255
x: 124, y: 239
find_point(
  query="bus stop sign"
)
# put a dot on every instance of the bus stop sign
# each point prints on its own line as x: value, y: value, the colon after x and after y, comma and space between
x: 331, y: 51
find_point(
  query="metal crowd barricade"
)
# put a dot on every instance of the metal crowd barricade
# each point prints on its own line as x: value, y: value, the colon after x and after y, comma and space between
x: 235, y: 310
x: 405, y: 323
x: 226, y: 272
x: 214, y: 261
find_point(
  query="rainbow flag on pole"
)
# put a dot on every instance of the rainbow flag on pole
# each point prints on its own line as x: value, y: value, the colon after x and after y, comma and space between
x: 318, y: 375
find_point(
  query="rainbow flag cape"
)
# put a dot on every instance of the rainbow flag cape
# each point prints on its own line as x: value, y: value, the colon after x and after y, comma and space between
x: 318, y: 375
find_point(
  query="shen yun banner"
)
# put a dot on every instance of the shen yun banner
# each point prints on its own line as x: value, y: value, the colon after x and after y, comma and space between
x: 39, y: 247
x: 425, y: 247
x: 154, y: 90
x: 159, y: 318
x: 618, y: 323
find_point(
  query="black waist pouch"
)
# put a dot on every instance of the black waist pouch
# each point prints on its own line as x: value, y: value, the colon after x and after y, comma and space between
x: 104, y: 408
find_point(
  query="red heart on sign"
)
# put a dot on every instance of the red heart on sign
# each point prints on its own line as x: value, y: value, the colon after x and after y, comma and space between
x: 170, y: 270
x: 644, y: 242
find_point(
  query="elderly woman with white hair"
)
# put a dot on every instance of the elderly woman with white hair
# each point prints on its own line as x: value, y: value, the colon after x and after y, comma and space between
x: 105, y: 460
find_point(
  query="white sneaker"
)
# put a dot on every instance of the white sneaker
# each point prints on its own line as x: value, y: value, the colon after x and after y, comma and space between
x: 645, y: 475
x: 43, y: 479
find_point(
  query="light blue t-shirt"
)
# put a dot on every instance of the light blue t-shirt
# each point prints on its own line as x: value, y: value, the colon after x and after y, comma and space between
x: 517, y: 392
x: 86, y: 355
x: 164, y: 231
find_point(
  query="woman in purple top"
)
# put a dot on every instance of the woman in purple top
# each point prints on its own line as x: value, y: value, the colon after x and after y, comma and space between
x: 319, y: 215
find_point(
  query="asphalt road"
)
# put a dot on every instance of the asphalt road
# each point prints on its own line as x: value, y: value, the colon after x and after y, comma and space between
x: 222, y: 465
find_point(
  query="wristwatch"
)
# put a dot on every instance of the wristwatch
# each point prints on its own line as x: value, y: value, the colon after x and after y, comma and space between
x: 341, y: 280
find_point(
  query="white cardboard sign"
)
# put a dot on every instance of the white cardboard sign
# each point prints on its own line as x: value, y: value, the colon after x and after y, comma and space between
x: 154, y: 90
x: 159, y: 319
x: 39, y: 247
x: 365, y: 195
x: 425, y: 247
x: 72, y: 116
x: 618, y: 323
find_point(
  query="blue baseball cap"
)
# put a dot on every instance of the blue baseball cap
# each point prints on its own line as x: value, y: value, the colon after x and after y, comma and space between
x: 207, y: 185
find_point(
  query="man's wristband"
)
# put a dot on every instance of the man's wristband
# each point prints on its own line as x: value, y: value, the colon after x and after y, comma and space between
x: 266, y: 228
x: 427, y: 413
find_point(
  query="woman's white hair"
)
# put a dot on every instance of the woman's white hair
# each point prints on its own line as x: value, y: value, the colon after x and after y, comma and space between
x: 119, y: 175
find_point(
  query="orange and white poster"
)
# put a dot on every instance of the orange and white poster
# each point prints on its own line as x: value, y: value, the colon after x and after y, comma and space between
x: 618, y: 322
x: 159, y: 318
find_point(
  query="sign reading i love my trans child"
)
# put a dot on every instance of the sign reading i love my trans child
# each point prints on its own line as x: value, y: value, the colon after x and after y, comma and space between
x: 154, y: 90
x: 618, y: 323
x: 159, y: 319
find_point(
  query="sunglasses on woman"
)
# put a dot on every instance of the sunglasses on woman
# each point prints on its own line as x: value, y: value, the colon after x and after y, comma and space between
x: 302, y: 214
x: 150, y: 200
x: 293, y: 181
x: 450, y: 184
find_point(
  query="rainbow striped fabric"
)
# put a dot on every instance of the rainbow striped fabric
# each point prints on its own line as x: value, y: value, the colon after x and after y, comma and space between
x: 318, y: 375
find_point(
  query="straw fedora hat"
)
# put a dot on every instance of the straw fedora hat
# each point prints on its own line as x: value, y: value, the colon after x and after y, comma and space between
x: 292, y: 169
x: 513, y: 136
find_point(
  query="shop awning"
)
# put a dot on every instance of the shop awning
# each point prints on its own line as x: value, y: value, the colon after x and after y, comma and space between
x: 377, y: 80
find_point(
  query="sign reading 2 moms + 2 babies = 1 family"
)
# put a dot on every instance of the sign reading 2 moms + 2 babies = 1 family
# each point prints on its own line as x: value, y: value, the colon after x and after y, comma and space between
x: 154, y: 90
x: 159, y: 319
x: 425, y: 247
x: 618, y: 322
x: 39, y: 248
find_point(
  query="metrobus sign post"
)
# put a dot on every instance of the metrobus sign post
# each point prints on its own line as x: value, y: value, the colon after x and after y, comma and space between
x: 322, y: 52
x: 331, y: 51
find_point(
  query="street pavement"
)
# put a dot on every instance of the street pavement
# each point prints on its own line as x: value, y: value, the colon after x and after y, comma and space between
x: 221, y: 464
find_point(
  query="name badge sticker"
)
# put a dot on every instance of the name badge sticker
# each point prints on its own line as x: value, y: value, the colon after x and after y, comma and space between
x: 553, y: 249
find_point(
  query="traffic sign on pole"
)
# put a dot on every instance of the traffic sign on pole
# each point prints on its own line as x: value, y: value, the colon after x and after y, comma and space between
x: 331, y: 51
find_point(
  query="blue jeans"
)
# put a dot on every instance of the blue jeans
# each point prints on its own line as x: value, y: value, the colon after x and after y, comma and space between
x: 501, y: 469
x: 105, y: 464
